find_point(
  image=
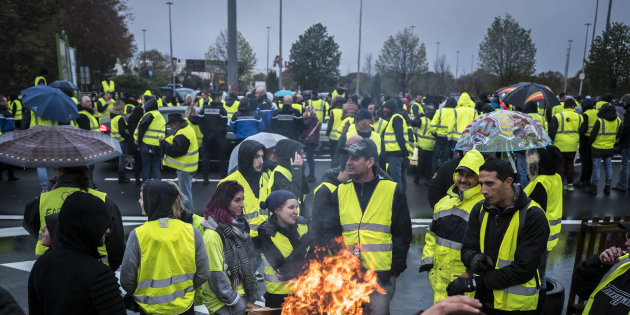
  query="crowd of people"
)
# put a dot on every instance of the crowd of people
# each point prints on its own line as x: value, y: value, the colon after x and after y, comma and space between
x: 491, y: 233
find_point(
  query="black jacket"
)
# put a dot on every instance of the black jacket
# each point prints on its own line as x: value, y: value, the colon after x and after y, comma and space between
x: 290, y: 266
x: 322, y: 208
x: 400, y: 228
x: 83, y: 121
x: 69, y: 278
x: 132, y: 123
x: 115, y: 241
x: 246, y: 153
x: 122, y: 128
x: 285, y: 151
x: 439, y: 185
x: 587, y: 276
x: 212, y: 120
x: 179, y: 146
x: 287, y: 122
x: 608, y: 113
x: 146, y: 120
x: 531, y: 245
x: 624, y: 141
x: 399, y: 132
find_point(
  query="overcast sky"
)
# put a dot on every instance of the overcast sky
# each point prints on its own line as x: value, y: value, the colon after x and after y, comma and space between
x: 456, y: 24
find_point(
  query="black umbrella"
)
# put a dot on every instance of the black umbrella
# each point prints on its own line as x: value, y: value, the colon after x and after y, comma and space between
x: 63, y: 85
x: 521, y: 93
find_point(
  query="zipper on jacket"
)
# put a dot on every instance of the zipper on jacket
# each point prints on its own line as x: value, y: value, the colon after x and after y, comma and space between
x: 496, y: 220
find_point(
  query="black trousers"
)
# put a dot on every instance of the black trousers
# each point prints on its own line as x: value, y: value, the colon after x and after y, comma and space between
x: 214, y: 146
x: 587, y: 161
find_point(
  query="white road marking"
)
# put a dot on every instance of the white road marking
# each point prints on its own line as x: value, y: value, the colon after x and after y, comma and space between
x: 415, y: 226
x: 20, y: 265
x: 13, y: 231
x: 195, y: 180
x: 564, y: 222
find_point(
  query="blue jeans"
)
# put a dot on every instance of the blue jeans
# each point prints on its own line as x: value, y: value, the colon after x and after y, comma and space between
x: 310, y: 157
x: 42, y: 173
x: 123, y: 158
x: 397, y: 171
x: 150, y: 164
x: 521, y: 165
x: 625, y: 169
x: 184, y: 181
x: 597, y: 163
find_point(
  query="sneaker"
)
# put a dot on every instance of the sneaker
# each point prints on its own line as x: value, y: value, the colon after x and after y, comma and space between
x: 570, y: 187
x: 258, y: 276
x: 565, y: 187
x: 619, y: 189
x: 607, y: 190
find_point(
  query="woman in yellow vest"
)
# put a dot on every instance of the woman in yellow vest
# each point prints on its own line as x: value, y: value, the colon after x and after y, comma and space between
x: 603, y: 137
x: 284, y: 242
x: 226, y: 235
x: 165, y: 258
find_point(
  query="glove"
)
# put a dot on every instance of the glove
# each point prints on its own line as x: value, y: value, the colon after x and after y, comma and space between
x: 130, y: 303
x: 425, y: 267
x: 481, y: 263
x: 461, y: 285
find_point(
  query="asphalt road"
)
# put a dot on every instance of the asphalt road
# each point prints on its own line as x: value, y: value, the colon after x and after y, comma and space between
x: 412, y: 294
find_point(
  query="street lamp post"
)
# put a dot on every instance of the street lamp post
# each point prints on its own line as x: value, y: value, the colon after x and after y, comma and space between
x: 437, y: 56
x: 144, y: 44
x: 280, y: 48
x: 359, y: 54
x: 170, y: 32
x: 267, y: 73
x: 457, y: 66
x: 582, y: 75
x: 231, y: 49
x: 566, y: 67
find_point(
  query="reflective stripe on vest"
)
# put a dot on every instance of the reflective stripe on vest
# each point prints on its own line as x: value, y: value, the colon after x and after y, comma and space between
x: 231, y: 110
x: 553, y: 211
x: 336, y: 114
x: 165, y: 284
x: 389, y: 137
x: 521, y: 297
x: 189, y: 161
x: 282, y: 243
x: 331, y: 187
x: 540, y: 119
x: 368, y: 230
x: 114, y: 126
x: 17, y: 105
x: 607, y: 134
x: 320, y: 108
x: 567, y: 136
x: 251, y: 205
x: 93, y: 122
x: 426, y: 140
x: 592, y: 118
x: 156, y: 129
x: 352, y: 131
x: 51, y: 202
x: 108, y: 87
x: 615, y: 271
x: 379, y: 126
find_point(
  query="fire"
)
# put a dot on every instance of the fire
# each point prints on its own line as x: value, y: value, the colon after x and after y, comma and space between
x: 332, y: 285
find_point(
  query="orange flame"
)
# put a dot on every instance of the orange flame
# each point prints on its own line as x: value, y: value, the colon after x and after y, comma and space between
x: 332, y: 285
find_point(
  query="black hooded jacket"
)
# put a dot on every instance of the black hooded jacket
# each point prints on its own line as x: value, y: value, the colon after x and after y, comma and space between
x: 397, y: 124
x: 608, y: 113
x: 246, y: 153
x: 179, y: 147
x: 322, y: 207
x: 146, y: 120
x: 285, y: 151
x: 287, y: 121
x: 70, y: 279
x: 531, y: 244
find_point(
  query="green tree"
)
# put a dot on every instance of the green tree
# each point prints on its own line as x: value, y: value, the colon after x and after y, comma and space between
x: 553, y: 79
x: 314, y: 59
x: 608, y: 67
x: 402, y: 59
x: 507, y: 51
x: 218, y: 53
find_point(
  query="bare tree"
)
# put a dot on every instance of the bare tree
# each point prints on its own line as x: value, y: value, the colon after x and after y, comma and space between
x: 217, y: 52
x: 368, y: 64
x: 402, y: 58
x: 442, y: 74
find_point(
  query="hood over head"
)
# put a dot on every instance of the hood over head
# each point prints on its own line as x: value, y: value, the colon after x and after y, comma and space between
x: 471, y: 162
x: 158, y: 198
x: 285, y: 151
x: 450, y: 102
x: 246, y: 153
x: 543, y: 161
x: 465, y: 101
x: 52, y: 221
x: 607, y: 112
x: 83, y: 219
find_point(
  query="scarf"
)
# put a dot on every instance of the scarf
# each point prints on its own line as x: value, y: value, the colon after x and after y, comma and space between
x: 237, y: 248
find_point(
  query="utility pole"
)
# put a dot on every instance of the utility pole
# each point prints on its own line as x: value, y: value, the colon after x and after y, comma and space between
x: 232, y: 54
x: 359, y: 56
x: 582, y: 74
x: 437, y: 56
x: 608, y: 16
x: 280, y: 48
x: 566, y: 67
x: 457, y: 66
x: 267, y: 72
x: 595, y: 21
x: 144, y: 45
x: 170, y: 33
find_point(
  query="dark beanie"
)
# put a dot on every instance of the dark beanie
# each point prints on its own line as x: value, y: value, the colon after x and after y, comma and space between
x: 276, y: 199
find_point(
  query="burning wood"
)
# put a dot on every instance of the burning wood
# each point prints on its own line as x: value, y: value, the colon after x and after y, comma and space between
x: 333, y: 285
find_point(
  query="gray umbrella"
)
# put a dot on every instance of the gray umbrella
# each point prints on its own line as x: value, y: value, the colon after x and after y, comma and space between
x: 267, y: 139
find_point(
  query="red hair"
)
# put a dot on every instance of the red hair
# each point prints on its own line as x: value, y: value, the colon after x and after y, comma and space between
x: 219, y: 203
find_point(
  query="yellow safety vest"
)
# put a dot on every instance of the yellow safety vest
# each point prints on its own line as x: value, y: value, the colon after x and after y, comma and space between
x: 103, y: 114
x: 38, y: 121
x: 414, y: 105
x: 599, y: 104
x: 129, y: 108
x: 273, y: 284
x: 114, y: 125
x: 557, y: 109
x: 156, y: 128
x: 335, y: 94
x: 352, y: 131
x: 171, y: 104
x: 349, y: 120
x: 426, y: 140
x: 336, y: 114
x: 38, y: 78
x: 197, y: 132
x: 189, y: 161
x: 567, y: 137
x: 607, y: 134
x: 379, y: 126
x: 328, y: 185
x: 321, y: 109
x: 93, y: 122
x: 201, y: 101
x: 51, y: 202
x: 443, y: 122
x: 368, y: 232
x: 165, y: 277
x: 76, y: 101
x: 231, y: 110
x: 520, y: 297
x: 18, y: 109
x: 540, y: 119
x: 592, y: 118
x: 615, y: 271
x: 251, y: 210
x: 463, y: 117
x: 108, y: 87
x: 391, y: 145
x: 553, y: 211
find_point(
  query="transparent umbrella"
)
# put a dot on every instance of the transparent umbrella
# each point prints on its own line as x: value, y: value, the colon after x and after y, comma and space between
x: 267, y: 139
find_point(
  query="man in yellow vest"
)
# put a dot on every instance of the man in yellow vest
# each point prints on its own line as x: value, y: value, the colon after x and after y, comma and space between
x: 181, y: 152
x: 425, y: 142
x: 378, y: 123
x: 108, y: 84
x: 505, y: 239
x: 415, y: 108
x: 41, y: 78
x: 464, y: 114
x: 339, y: 91
x: 607, y: 98
x: 121, y: 133
x: 603, y: 137
x: 558, y: 108
x: 444, y: 122
x: 589, y: 115
x: 564, y: 130
x: 151, y: 126
x: 603, y: 280
x: 16, y: 109
x: 398, y: 147
x: 361, y: 127
x: 441, y: 255
x: 104, y: 105
x: 87, y: 121
x: 371, y: 214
